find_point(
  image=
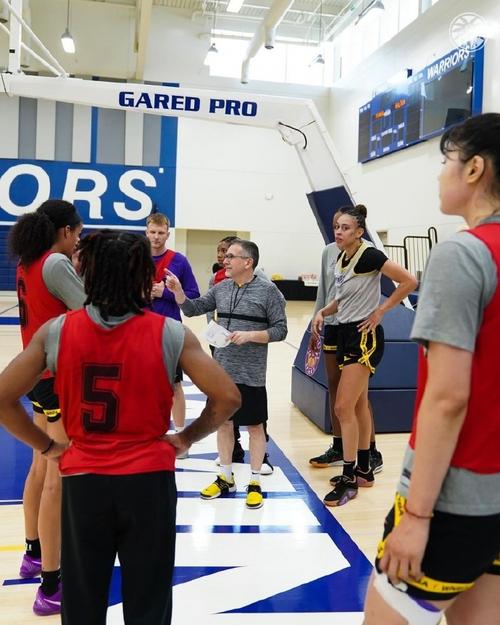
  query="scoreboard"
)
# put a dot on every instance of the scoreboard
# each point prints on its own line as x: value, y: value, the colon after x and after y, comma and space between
x: 423, y: 106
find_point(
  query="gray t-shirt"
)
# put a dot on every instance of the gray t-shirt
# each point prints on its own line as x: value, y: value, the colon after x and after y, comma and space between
x: 257, y: 305
x: 357, y: 283
x: 62, y: 281
x: 326, y: 284
x: 459, y: 282
x: 172, y: 340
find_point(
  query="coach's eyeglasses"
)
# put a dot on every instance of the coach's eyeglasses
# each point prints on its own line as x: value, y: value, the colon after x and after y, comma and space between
x: 231, y: 256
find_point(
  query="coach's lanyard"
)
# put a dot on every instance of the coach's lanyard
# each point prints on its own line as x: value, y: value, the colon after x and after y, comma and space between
x: 233, y: 302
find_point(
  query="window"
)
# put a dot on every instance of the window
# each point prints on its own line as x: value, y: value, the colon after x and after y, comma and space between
x: 287, y: 62
x: 360, y: 40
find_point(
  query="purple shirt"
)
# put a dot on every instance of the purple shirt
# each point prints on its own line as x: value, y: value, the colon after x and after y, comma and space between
x: 166, y: 305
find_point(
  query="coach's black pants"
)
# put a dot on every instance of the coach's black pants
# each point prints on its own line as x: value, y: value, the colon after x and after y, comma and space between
x: 132, y: 516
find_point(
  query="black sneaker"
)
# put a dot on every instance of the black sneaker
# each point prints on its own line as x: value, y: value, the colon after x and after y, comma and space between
x: 376, y: 461
x: 330, y: 458
x: 344, y: 490
x: 365, y: 480
x: 266, y: 468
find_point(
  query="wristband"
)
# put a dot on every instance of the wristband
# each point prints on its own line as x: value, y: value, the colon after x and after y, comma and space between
x: 417, y: 516
x: 49, y: 447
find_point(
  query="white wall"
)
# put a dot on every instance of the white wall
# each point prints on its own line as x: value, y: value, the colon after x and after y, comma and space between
x: 228, y: 177
x: 235, y: 178
x: 401, y: 190
x: 240, y: 178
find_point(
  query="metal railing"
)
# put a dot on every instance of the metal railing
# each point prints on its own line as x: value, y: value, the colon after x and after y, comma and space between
x: 397, y: 253
x: 414, y: 252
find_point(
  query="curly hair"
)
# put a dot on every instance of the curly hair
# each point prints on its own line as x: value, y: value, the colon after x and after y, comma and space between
x: 117, y: 270
x: 35, y: 233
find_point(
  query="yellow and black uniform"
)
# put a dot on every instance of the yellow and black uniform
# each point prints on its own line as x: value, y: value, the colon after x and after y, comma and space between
x: 464, y: 532
x: 457, y: 554
x: 357, y: 291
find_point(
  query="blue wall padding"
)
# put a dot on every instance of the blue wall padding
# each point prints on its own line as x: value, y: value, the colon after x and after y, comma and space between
x: 324, y: 205
x: 7, y: 265
x: 392, y: 408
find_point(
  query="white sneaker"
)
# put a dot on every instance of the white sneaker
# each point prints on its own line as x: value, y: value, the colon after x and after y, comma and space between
x: 266, y: 468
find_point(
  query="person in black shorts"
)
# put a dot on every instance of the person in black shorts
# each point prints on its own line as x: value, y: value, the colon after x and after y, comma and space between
x: 360, y: 343
x: 440, y: 551
x: 333, y: 456
x: 47, y: 285
x: 114, y: 363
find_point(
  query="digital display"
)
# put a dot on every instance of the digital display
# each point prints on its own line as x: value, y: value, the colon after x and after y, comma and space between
x: 442, y: 94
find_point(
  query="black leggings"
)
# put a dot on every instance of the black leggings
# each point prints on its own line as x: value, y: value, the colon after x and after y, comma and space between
x: 132, y: 516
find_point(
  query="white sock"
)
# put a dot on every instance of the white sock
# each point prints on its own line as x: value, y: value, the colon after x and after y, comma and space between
x: 227, y: 471
x: 255, y: 477
x: 179, y: 428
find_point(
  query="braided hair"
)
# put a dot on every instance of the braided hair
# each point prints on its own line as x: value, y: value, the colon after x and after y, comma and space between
x: 358, y: 212
x: 118, y: 271
x: 35, y: 233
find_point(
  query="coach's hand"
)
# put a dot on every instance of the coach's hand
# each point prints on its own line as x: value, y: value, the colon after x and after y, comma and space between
x: 173, y: 284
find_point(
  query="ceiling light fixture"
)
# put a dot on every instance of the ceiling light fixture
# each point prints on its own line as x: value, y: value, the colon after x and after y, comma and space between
x: 212, y: 50
x: 319, y: 58
x: 210, y: 56
x: 67, y: 40
x: 234, y: 6
x: 374, y: 5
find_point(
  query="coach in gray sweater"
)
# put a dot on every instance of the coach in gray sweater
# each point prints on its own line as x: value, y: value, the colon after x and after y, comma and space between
x: 253, y: 310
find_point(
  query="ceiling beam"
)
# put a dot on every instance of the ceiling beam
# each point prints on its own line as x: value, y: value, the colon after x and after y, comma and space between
x: 142, y: 28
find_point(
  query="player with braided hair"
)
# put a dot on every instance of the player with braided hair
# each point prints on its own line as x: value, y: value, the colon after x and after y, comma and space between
x: 121, y: 289
x: 115, y: 364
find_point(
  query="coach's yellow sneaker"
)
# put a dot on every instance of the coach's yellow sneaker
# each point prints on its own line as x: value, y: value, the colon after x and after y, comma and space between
x: 254, y: 496
x: 220, y: 488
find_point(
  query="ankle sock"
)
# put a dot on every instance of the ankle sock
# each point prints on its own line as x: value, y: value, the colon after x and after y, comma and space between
x: 364, y: 460
x: 33, y: 548
x: 255, y: 477
x: 50, y: 581
x: 337, y: 444
x: 227, y: 471
x: 348, y: 469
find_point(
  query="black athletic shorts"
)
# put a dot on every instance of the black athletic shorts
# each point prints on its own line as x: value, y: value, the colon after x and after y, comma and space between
x: 330, y: 339
x: 459, y: 550
x: 253, y: 405
x: 44, y: 400
x: 354, y: 347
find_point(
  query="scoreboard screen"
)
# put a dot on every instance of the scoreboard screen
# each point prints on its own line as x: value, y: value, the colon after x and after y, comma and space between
x: 423, y: 106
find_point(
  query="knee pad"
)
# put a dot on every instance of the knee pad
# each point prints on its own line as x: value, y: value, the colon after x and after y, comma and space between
x: 415, y: 611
